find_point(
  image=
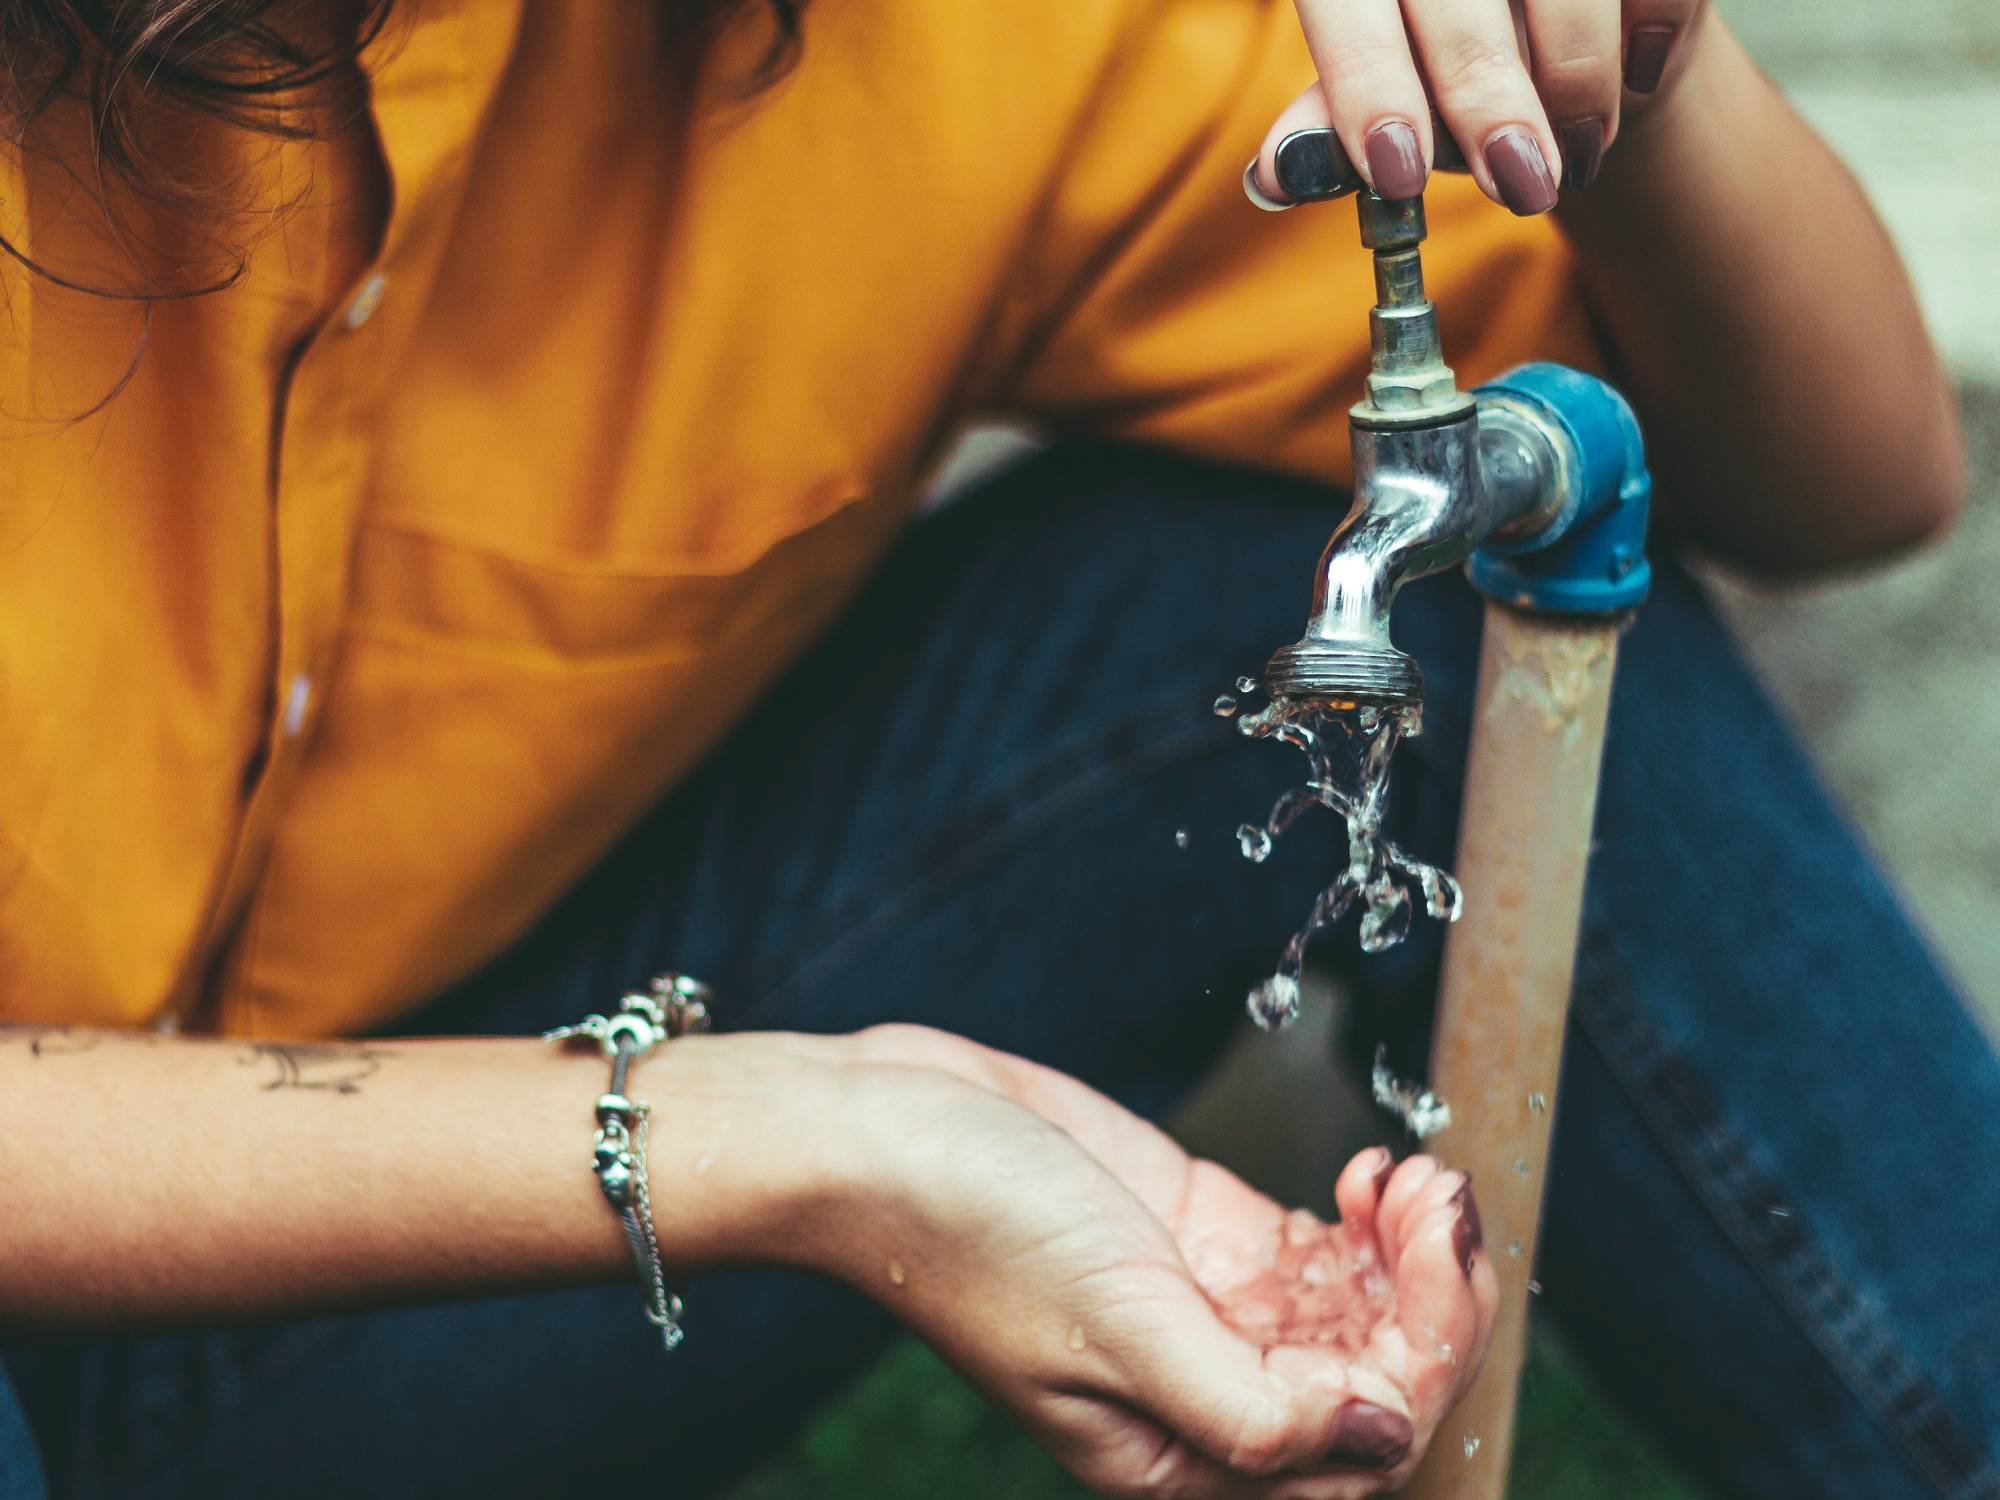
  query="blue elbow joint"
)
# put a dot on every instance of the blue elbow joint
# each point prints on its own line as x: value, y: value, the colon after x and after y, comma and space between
x: 1590, y: 556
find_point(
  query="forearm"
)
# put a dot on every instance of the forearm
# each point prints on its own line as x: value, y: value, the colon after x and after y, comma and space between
x: 155, y: 1180
x: 1796, y: 411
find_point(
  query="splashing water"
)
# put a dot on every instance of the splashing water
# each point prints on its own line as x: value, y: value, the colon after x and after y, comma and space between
x: 1346, y: 748
x: 1423, y: 1114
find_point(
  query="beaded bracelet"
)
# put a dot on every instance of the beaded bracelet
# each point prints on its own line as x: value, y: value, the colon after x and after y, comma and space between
x: 677, y: 1006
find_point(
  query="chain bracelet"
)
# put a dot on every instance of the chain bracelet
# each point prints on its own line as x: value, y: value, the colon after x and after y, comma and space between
x: 676, y: 1005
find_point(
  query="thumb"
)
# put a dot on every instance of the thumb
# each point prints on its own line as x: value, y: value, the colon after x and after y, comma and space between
x: 1181, y: 1366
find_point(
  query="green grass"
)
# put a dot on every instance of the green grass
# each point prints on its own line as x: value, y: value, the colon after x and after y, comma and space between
x: 912, y: 1430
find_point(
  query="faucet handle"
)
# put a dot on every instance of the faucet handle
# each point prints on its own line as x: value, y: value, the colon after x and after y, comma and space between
x: 1315, y: 167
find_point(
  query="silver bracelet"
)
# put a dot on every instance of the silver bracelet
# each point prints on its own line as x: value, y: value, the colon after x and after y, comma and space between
x: 677, y: 1006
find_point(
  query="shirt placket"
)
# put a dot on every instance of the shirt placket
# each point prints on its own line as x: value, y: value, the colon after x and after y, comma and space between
x: 424, y: 109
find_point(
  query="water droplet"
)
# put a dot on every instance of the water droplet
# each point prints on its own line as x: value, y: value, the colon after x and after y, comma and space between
x: 1387, y: 920
x: 1254, y: 842
x: 1423, y: 1114
x: 1471, y: 1447
x: 1224, y: 706
x: 1180, y: 838
x: 1534, y: 1289
x: 1444, y: 897
x: 1076, y: 1339
x: 1514, y: 1248
x: 1246, y: 684
x: 1520, y: 1166
x: 897, y: 1274
x: 1275, y: 1002
x: 1538, y: 1103
x: 1448, y: 1354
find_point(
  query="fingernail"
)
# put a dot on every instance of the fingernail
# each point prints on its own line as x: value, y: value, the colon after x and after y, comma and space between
x: 1310, y: 164
x: 1521, y: 172
x: 1646, y: 53
x: 1582, y: 143
x: 1384, y: 1172
x: 1367, y: 1436
x: 1254, y: 191
x: 1466, y: 1232
x: 1396, y: 160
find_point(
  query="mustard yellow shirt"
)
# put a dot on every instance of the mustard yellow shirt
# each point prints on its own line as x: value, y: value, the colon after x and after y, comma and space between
x: 549, y: 421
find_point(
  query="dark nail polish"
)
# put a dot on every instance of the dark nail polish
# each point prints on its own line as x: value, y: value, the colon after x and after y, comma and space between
x: 1467, y: 1235
x: 1521, y: 172
x: 1384, y: 1172
x: 1396, y: 160
x: 1311, y: 164
x: 1646, y: 53
x: 1367, y: 1436
x: 1582, y: 143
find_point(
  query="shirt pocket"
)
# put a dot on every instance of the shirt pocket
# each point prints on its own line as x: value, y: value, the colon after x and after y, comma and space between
x: 552, y: 612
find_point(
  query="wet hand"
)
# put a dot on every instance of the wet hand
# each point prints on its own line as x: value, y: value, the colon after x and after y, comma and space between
x: 1533, y: 92
x: 1158, y: 1325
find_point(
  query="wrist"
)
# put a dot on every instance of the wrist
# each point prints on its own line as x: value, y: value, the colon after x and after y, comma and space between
x: 748, y: 1154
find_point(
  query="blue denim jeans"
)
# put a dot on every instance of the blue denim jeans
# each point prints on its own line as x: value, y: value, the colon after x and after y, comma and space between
x: 1772, y: 1223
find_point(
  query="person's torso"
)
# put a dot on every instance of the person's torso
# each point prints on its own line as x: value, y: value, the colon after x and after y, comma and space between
x: 537, y: 437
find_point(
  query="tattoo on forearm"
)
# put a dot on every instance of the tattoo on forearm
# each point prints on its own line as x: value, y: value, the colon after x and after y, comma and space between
x: 336, y: 1067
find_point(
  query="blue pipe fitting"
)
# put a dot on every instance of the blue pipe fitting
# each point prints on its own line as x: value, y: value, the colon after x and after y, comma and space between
x: 1590, y: 559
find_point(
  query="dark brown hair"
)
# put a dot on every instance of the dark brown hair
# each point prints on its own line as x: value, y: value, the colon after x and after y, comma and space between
x: 140, y: 68
x: 135, y: 63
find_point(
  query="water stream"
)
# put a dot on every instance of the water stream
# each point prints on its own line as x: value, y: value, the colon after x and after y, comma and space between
x: 1348, y: 752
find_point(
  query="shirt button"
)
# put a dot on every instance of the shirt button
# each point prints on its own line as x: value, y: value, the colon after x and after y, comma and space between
x: 366, y: 300
x: 298, y: 702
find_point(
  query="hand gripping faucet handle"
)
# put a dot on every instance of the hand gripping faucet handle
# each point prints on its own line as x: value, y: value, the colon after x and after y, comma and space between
x: 1313, y: 166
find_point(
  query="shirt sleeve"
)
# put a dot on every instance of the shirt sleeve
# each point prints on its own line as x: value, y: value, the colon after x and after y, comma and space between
x: 1157, y: 304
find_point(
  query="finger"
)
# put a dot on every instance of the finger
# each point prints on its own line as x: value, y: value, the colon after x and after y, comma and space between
x: 1271, y: 188
x: 1405, y: 1183
x: 1359, y: 1190
x: 1654, y: 31
x: 1372, y: 89
x: 1486, y: 1300
x: 1472, y: 54
x: 1441, y: 1189
x: 1574, y: 47
x: 1435, y: 1305
x: 1165, y: 1466
x: 1180, y: 1366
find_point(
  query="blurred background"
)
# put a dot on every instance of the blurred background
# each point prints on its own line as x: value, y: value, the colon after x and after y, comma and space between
x: 1892, y: 676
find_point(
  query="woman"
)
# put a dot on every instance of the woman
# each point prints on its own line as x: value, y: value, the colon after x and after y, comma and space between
x: 447, y: 446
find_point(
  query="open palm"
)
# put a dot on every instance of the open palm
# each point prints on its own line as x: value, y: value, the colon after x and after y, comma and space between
x: 1160, y: 1326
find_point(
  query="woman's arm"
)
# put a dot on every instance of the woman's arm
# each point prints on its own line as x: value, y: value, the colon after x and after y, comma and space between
x: 1157, y: 1324
x: 1795, y: 409
x: 155, y: 1180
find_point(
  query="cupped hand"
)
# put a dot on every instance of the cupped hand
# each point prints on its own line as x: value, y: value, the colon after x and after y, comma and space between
x: 1532, y: 92
x: 1162, y: 1328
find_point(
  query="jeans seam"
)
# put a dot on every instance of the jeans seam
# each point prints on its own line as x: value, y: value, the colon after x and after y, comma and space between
x: 1028, y: 805
x: 1859, y: 1347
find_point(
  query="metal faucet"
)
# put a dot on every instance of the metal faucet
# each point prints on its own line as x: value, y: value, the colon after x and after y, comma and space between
x: 1444, y: 476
